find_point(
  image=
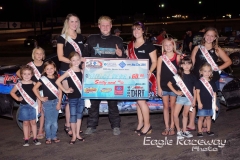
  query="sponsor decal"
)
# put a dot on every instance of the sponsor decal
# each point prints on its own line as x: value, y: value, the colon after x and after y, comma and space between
x: 90, y: 90
x: 94, y: 64
x: 106, y: 90
x: 118, y: 90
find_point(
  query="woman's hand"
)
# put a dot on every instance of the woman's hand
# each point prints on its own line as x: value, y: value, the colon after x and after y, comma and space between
x: 69, y: 90
x: 200, y: 106
x: 58, y: 107
x: 179, y: 93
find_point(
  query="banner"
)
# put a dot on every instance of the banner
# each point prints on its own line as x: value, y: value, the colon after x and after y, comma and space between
x: 108, y: 78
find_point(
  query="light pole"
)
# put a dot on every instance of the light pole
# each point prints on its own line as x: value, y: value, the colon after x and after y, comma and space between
x: 161, y: 6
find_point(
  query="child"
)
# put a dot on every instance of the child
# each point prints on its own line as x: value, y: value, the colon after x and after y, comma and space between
x: 28, y: 111
x: 206, y: 98
x: 74, y: 78
x: 38, y: 55
x: 51, y: 100
x: 166, y: 68
x: 185, y: 92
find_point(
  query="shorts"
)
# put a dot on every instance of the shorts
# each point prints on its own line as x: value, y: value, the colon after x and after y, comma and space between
x: 26, y: 112
x: 76, y: 106
x: 167, y: 93
x: 61, y: 72
x: 183, y: 101
x: 204, y: 112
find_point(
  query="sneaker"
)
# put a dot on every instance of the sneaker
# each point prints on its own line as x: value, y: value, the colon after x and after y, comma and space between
x: 187, y: 134
x: 179, y: 135
x: 200, y: 134
x: 26, y: 144
x: 210, y: 133
x: 36, y: 142
x: 90, y: 130
x: 116, y: 131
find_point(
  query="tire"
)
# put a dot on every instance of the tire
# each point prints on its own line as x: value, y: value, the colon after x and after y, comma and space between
x: 235, y: 57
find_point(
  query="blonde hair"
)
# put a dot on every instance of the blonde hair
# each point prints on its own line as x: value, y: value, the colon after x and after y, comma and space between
x: 38, y: 48
x: 66, y: 26
x: 24, y: 68
x: 107, y: 18
x: 71, y: 55
x: 173, y: 43
x: 206, y: 64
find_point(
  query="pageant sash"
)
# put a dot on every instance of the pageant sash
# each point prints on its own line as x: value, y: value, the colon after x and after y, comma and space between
x: 169, y: 64
x: 152, y: 78
x: 210, y: 90
x: 183, y: 88
x: 50, y: 86
x: 75, y: 79
x: 208, y: 58
x: 37, y: 74
x: 27, y: 98
x: 73, y: 43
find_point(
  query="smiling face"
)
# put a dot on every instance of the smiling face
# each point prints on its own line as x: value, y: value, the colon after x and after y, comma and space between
x: 38, y: 55
x: 210, y: 36
x: 105, y: 27
x: 49, y: 70
x: 73, y: 23
x: 75, y: 61
x: 168, y: 46
x: 137, y: 31
x: 26, y: 75
x: 206, y: 72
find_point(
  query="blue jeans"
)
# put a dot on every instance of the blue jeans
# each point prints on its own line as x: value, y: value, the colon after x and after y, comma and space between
x: 76, y: 109
x: 51, y: 118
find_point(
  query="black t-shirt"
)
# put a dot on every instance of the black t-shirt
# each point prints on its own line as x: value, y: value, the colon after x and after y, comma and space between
x: 76, y: 93
x: 166, y: 74
x: 200, y: 59
x: 205, y: 96
x: 68, y: 48
x: 28, y: 89
x: 186, y: 43
x: 189, y: 80
x: 143, y: 51
x: 40, y: 69
x: 46, y: 91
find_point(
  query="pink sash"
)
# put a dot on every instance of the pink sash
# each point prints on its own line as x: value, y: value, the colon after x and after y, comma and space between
x: 169, y: 64
x: 27, y: 98
x: 73, y: 43
x: 152, y: 78
x: 50, y: 86
x: 210, y: 90
x: 208, y: 58
x: 35, y: 70
x: 75, y: 79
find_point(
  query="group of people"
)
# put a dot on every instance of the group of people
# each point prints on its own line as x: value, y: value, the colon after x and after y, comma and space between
x: 41, y: 89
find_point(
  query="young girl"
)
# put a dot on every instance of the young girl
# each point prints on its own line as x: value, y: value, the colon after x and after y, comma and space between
x: 28, y: 111
x: 166, y: 68
x: 38, y: 55
x: 74, y: 79
x: 185, y: 92
x: 51, y: 100
x: 206, y: 98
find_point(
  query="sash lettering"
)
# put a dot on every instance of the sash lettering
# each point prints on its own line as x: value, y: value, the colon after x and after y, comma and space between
x: 35, y: 70
x: 208, y: 58
x: 169, y: 64
x: 73, y: 43
x: 75, y: 79
x: 50, y: 86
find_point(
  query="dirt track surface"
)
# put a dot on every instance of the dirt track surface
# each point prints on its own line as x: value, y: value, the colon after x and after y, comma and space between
x: 103, y: 145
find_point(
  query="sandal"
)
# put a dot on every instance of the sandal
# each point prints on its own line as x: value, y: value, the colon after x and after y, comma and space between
x: 56, y: 140
x: 48, y: 141
x: 171, y: 132
x: 72, y: 142
x: 40, y: 136
x: 165, y: 132
x: 67, y: 130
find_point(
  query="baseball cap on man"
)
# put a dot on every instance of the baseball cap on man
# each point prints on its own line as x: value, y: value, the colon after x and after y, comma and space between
x: 116, y: 30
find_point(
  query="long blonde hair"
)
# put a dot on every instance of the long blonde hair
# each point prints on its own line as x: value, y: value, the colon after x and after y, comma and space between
x: 66, y: 26
x: 173, y: 43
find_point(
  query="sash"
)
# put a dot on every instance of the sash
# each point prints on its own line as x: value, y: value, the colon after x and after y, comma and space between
x: 27, y: 98
x: 152, y: 78
x: 37, y: 74
x: 73, y: 43
x: 50, y: 86
x: 208, y: 58
x: 75, y: 79
x: 169, y: 64
x: 184, y: 89
x: 210, y: 90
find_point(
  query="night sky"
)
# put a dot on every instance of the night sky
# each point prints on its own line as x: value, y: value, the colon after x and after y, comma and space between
x: 23, y: 10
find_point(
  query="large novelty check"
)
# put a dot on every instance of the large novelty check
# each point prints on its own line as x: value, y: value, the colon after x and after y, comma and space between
x: 109, y: 78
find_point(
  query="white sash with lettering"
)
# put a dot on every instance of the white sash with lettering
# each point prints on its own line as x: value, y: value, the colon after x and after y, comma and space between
x: 37, y: 74
x: 208, y: 58
x: 27, y: 98
x: 73, y: 43
x: 75, y: 79
x: 50, y: 86
x: 210, y: 90
x: 169, y: 64
x: 183, y: 88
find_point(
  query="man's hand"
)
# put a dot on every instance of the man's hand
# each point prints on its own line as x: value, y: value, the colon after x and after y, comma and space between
x: 118, y: 51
